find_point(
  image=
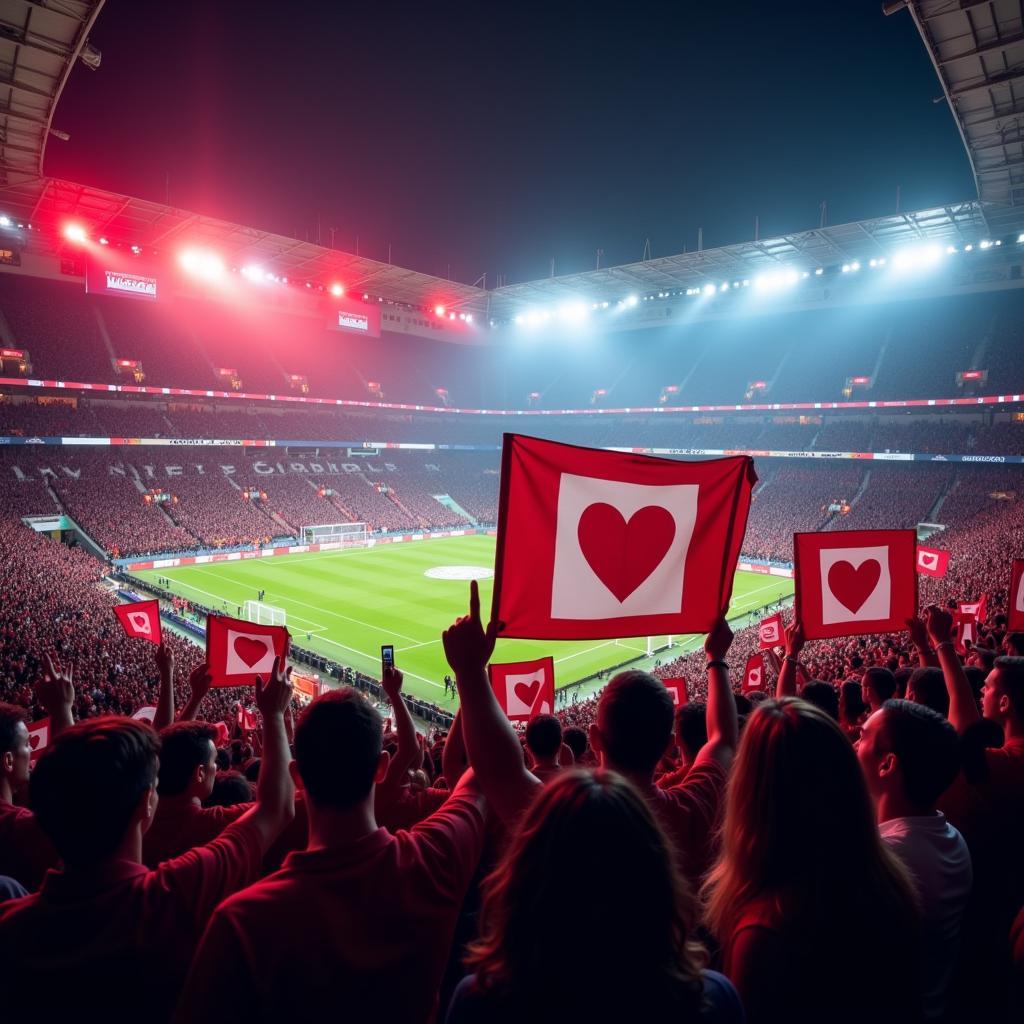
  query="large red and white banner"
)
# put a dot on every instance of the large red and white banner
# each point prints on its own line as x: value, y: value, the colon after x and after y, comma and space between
x: 525, y: 689
x: 238, y: 651
x: 769, y: 632
x: 852, y: 582
x: 1015, y: 604
x: 932, y: 561
x: 140, y: 620
x: 595, y: 544
x: 753, y: 674
x: 677, y: 688
x: 966, y: 631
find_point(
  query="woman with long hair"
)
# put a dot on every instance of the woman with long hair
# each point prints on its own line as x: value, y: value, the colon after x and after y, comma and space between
x: 804, y: 888
x: 589, y: 861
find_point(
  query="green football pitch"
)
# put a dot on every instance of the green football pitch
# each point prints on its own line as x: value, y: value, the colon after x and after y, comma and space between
x: 345, y: 604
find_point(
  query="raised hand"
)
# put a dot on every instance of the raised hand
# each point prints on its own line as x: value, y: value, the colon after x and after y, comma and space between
x: 274, y: 696
x: 467, y: 645
x: 718, y: 641
x: 918, y: 633
x: 56, y: 692
x: 391, y: 681
x: 939, y: 624
x: 794, y: 638
x: 199, y: 681
x: 165, y: 661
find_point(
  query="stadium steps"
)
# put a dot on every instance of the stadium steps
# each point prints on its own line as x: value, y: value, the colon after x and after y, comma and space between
x: 933, y: 512
x: 453, y: 506
x: 397, y: 502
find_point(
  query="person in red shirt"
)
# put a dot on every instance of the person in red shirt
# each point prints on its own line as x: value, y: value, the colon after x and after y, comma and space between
x: 188, y: 771
x: 544, y: 742
x: 986, y: 804
x: 362, y: 920
x: 633, y: 730
x: 25, y: 852
x: 804, y: 885
x: 105, y: 938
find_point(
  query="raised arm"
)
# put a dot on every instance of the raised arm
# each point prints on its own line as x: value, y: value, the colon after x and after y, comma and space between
x: 275, y: 792
x: 199, y: 680
x: 722, y: 723
x: 494, y: 750
x: 56, y: 692
x: 165, y: 700
x: 453, y: 757
x: 926, y: 655
x: 408, y: 743
x: 786, y: 685
x: 963, y: 709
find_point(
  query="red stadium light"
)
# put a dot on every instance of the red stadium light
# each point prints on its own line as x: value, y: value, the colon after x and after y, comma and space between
x: 440, y: 310
x: 337, y: 289
x: 75, y: 233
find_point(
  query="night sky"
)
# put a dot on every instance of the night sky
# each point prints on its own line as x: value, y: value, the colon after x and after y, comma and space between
x: 492, y: 137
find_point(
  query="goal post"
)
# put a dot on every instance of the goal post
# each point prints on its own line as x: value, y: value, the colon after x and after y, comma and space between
x: 347, y: 535
x: 263, y: 614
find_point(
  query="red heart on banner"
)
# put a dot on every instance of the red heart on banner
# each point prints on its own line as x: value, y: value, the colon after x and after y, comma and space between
x: 34, y: 740
x: 623, y: 554
x: 852, y: 587
x: 249, y: 650
x: 527, y: 692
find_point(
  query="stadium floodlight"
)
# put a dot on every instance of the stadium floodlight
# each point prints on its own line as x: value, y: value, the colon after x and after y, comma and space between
x: 709, y: 289
x: 255, y: 273
x: 1020, y: 239
x: 819, y: 271
x: 439, y: 310
x: 631, y: 300
x: 724, y: 286
x: 5, y: 222
x: 75, y: 233
x: 337, y: 289
x: 104, y: 241
x: 573, y: 312
x: 968, y: 248
x: 950, y: 249
x: 202, y: 263
x: 918, y: 258
x: 984, y: 244
x: 469, y: 318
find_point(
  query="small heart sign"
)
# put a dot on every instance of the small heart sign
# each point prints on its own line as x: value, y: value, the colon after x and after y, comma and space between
x: 852, y: 587
x: 251, y: 650
x: 527, y: 692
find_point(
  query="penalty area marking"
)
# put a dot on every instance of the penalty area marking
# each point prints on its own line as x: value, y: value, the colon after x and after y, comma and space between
x: 459, y: 572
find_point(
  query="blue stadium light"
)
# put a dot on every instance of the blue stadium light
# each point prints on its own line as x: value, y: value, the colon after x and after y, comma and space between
x: 968, y: 248
x: 985, y: 244
x: 574, y: 312
x: 917, y: 259
x: 724, y: 286
x: 1020, y: 239
x: 819, y: 271
x: 709, y: 289
x: 631, y: 300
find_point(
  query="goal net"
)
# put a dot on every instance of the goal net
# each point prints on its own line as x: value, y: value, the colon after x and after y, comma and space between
x: 348, y: 535
x: 264, y: 614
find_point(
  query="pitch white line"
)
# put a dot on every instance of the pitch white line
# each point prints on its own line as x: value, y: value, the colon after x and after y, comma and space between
x: 304, y: 604
x: 371, y: 657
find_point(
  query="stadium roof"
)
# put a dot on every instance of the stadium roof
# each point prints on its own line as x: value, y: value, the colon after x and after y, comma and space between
x: 48, y: 203
x: 954, y: 224
x: 977, y: 47
x: 40, y: 41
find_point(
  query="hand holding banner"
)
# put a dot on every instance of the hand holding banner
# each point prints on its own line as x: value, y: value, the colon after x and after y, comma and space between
x: 853, y: 582
x: 753, y: 674
x: 141, y: 620
x: 677, y: 687
x: 238, y: 651
x: 525, y: 689
x: 769, y: 632
x: 595, y: 544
